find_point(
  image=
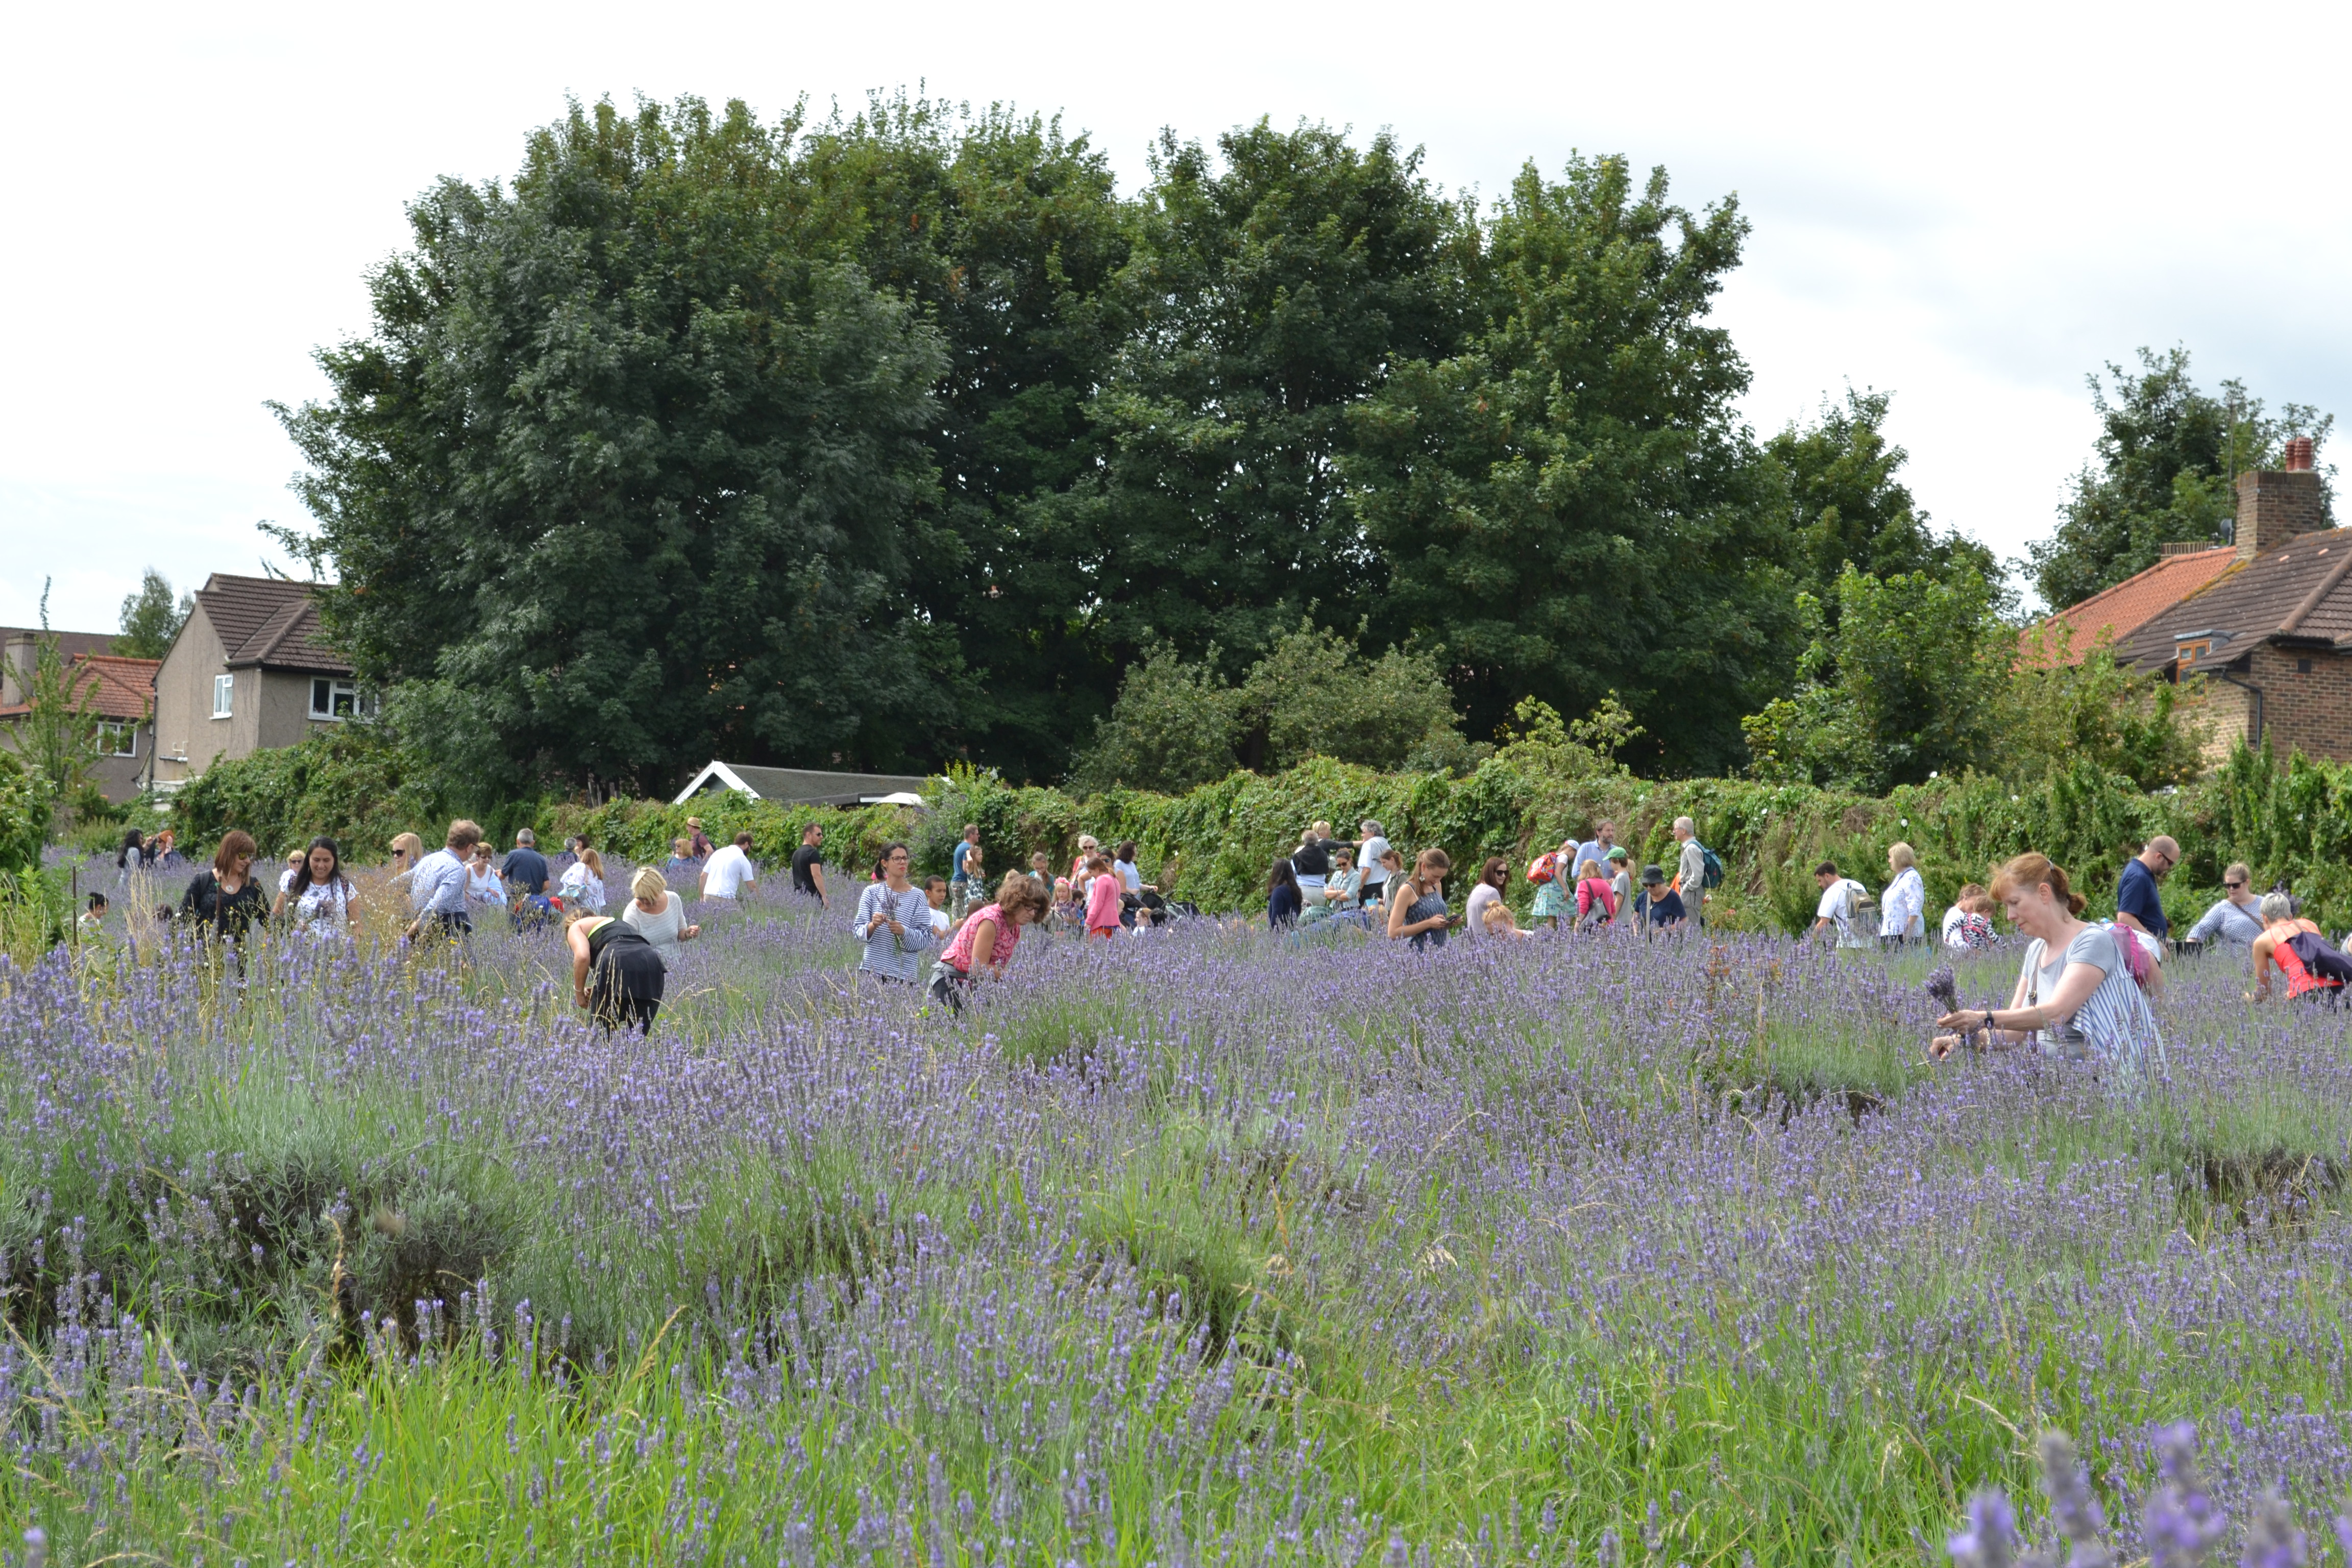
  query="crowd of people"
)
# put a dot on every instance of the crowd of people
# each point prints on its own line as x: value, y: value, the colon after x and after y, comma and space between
x: 2081, y: 987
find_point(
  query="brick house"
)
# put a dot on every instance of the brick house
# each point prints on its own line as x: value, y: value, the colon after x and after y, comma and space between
x: 248, y: 671
x: 2271, y: 629
x: 117, y: 691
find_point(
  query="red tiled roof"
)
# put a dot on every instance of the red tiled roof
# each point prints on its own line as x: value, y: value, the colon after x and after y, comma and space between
x: 2116, y: 613
x: 117, y: 687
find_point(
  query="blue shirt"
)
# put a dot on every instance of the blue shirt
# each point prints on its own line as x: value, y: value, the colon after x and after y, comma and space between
x: 2135, y: 896
x: 1282, y: 906
x: 526, y: 869
x: 438, y: 888
x: 963, y: 848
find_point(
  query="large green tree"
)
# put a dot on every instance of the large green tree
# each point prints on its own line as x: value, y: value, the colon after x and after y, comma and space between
x: 1274, y: 284
x: 1006, y: 234
x: 2162, y: 472
x: 1569, y: 507
x: 1840, y: 481
x: 627, y: 470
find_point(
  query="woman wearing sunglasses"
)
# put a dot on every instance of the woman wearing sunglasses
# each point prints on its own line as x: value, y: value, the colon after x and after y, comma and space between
x: 2236, y: 920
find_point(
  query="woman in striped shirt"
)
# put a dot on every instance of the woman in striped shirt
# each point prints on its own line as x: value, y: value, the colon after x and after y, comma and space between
x: 2075, y: 996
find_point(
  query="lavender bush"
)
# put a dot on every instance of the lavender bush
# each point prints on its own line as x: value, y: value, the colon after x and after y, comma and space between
x: 1316, y: 1249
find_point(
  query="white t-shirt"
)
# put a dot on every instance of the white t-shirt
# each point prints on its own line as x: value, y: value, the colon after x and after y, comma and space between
x: 727, y: 872
x: 1952, y: 918
x: 1128, y: 874
x: 1840, y: 900
x: 940, y: 922
x: 1368, y: 856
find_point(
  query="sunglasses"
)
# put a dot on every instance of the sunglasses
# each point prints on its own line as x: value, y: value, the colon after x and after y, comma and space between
x: 2233, y: 887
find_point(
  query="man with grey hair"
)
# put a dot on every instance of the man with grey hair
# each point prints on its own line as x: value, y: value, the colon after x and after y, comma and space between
x: 2235, y: 920
x: 525, y: 868
x: 1690, y: 870
x: 1374, y: 844
x: 2137, y: 905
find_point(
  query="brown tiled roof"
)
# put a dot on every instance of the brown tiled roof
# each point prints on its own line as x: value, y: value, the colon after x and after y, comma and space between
x: 117, y: 687
x: 2119, y: 612
x: 270, y: 622
x: 2297, y: 594
x: 73, y: 645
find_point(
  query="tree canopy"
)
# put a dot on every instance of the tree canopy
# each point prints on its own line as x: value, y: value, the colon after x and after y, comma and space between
x: 903, y: 437
x: 2162, y: 472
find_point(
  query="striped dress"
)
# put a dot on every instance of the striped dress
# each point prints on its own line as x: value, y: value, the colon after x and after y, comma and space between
x: 2115, y: 1025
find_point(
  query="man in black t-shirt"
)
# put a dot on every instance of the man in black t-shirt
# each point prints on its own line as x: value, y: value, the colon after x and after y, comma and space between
x: 808, y: 863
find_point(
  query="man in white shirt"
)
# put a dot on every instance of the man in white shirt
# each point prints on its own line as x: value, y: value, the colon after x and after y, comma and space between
x: 1371, y: 846
x: 437, y: 889
x: 728, y: 871
x: 1840, y: 905
x: 1690, y: 870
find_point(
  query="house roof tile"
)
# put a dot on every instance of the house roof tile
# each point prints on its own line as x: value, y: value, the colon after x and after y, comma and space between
x: 116, y: 686
x: 2119, y: 612
x: 2299, y: 593
x: 270, y: 622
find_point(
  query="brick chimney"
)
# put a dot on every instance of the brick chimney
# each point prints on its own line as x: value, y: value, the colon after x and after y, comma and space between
x: 2274, y: 507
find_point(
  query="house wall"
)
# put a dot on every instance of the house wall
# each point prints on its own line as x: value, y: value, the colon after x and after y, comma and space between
x: 2226, y: 711
x: 2310, y: 710
x: 283, y: 710
x: 187, y: 737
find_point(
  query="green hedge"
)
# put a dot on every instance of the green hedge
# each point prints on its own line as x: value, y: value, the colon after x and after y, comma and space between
x: 2289, y: 819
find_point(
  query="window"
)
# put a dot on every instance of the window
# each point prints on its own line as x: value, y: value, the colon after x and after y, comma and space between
x: 2189, y: 653
x: 2303, y: 666
x: 118, y: 737
x: 336, y: 700
x: 224, y: 690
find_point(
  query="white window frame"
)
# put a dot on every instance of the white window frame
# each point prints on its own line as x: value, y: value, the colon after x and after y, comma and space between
x: 224, y: 696
x: 354, y: 702
x: 118, y: 737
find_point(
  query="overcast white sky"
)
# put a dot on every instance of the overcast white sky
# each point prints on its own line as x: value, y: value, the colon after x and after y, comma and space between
x: 1969, y: 208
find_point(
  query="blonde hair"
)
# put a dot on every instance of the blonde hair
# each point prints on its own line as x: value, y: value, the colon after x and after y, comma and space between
x: 649, y: 884
x: 2031, y: 870
x: 589, y: 858
x: 408, y: 843
x: 1587, y: 868
x: 1901, y: 857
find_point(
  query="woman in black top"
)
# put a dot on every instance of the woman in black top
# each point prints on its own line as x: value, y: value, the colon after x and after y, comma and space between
x: 225, y: 901
x: 628, y: 974
x: 1283, y: 901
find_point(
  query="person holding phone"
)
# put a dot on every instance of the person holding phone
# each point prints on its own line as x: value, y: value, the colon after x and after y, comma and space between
x: 1417, y: 911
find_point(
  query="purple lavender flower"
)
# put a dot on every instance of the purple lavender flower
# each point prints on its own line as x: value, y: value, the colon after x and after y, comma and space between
x: 2182, y: 1523
x: 2272, y: 1539
x: 2073, y: 1507
x: 1991, y: 1539
x: 1944, y: 988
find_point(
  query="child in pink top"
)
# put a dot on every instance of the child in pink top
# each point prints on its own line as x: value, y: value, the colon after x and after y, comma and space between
x: 1593, y: 888
x: 1102, y: 899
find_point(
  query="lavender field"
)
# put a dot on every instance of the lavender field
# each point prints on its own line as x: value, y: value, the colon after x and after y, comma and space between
x: 1197, y: 1248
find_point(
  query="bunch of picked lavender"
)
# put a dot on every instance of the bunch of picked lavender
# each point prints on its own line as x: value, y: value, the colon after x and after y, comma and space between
x: 1944, y: 987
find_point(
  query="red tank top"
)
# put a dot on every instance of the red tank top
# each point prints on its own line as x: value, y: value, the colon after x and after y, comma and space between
x: 958, y: 956
x: 2299, y: 979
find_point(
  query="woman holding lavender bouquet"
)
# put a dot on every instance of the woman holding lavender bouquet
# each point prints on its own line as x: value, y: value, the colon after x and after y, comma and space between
x: 2075, y: 994
x: 894, y: 921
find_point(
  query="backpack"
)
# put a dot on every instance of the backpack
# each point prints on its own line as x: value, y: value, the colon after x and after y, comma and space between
x: 2323, y: 962
x: 1713, y: 875
x: 1544, y: 866
x: 2136, y: 957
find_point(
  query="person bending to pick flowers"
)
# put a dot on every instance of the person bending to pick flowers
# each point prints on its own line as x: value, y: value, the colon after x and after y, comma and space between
x: 2075, y: 994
